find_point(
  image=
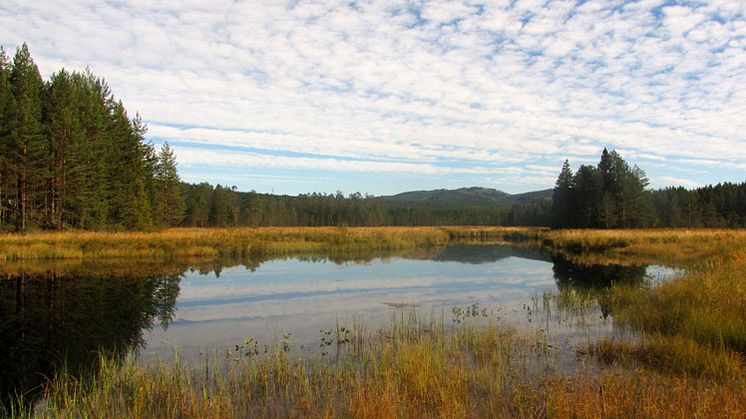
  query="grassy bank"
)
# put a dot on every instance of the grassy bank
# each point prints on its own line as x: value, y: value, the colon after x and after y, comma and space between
x: 405, y: 369
x: 688, y: 358
x: 694, y: 325
x: 235, y: 242
x: 693, y: 249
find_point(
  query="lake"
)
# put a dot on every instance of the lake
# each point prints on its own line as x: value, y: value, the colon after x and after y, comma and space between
x: 195, y: 308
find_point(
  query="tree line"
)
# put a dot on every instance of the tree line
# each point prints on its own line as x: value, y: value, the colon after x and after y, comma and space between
x: 611, y: 194
x: 224, y: 206
x: 614, y: 195
x: 70, y: 157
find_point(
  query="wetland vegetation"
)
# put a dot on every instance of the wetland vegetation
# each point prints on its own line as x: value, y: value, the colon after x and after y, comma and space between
x: 679, y: 351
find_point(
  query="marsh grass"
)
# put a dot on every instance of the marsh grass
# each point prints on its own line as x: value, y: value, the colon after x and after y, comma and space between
x: 687, y: 359
x: 409, y: 367
x: 673, y: 355
x: 694, y: 325
x: 696, y: 249
x: 236, y: 242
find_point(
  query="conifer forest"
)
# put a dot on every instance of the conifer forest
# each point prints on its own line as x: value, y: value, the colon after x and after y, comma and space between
x: 72, y: 157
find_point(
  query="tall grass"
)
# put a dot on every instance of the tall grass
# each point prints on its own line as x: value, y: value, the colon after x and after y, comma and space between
x: 235, y: 242
x: 697, y: 248
x: 693, y: 325
x: 688, y: 359
x: 406, y: 369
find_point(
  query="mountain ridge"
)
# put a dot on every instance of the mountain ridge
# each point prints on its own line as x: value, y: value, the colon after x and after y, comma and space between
x: 468, y: 195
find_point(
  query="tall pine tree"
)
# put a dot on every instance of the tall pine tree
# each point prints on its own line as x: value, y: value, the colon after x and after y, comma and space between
x: 93, y: 188
x: 28, y: 143
x: 169, y: 201
x: 130, y: 206
x: 65, y: 132
x: 562, y: 197
x: 7, y: 178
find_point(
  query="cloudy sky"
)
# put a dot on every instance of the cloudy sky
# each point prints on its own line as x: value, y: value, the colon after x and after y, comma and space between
x: 387, y: 96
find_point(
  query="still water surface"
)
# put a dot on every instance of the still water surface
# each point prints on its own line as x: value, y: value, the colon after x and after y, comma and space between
x: 218, y: 309
x: 50, y: 317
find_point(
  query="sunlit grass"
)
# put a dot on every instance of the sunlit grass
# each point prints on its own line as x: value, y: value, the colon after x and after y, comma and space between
x: 697, y: 248
x: 408, y: 368
x: 236, y: 242
x: 694, y: 325
x: 686, y: 357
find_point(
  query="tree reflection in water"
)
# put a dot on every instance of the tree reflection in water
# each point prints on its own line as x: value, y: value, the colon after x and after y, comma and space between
x: 51, y: 321
x: 594, y: 281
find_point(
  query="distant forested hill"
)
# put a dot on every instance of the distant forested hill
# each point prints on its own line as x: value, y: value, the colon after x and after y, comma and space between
x: 72, y: 158
x: 469, y: 196
x: 609, y: 195
x: 473, y: 195
x: 224, y: 206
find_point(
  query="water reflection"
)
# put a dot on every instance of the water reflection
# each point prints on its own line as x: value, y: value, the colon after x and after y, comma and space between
x: 599, y: 277
x: 52, y: 316
x: 584, y: 284
x: 51, y: 320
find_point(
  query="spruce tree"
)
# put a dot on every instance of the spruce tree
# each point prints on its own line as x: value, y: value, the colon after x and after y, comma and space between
x: 7, y: 106
x: 95, y: 184
x: 199, y: 203
x: 587, y: 196
x: 562, y: 197
x: 65, y: 133
x: 130, y: 206
x: 28, y: 144
x: 169, y: 202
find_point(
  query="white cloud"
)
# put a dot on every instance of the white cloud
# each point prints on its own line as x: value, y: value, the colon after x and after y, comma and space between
x: 238, y: 160
x: 388, y: 86
x: 676, y: 181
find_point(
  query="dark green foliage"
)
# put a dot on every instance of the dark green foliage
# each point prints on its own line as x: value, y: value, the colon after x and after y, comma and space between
x: 7, y: 105
x: 199, y: 204
x: 584, y: 197
x: 65, y: 133
x: 224, y: 210
x: 130, y: 206
x: 561, y: 198
x: 224, y: 206
x: 69, y: 155
x: 168, y: 196
x: 721, y: 205
x: 93, y: 188
x: 29, y: 149
x: 611, y: 195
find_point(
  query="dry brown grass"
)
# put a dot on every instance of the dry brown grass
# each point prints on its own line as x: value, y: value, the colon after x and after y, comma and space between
x: 237, y: 242
x: 688, y: 362
x: 416, y: 372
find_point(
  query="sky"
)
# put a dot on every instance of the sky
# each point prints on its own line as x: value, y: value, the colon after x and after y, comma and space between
x: 383, y: 97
